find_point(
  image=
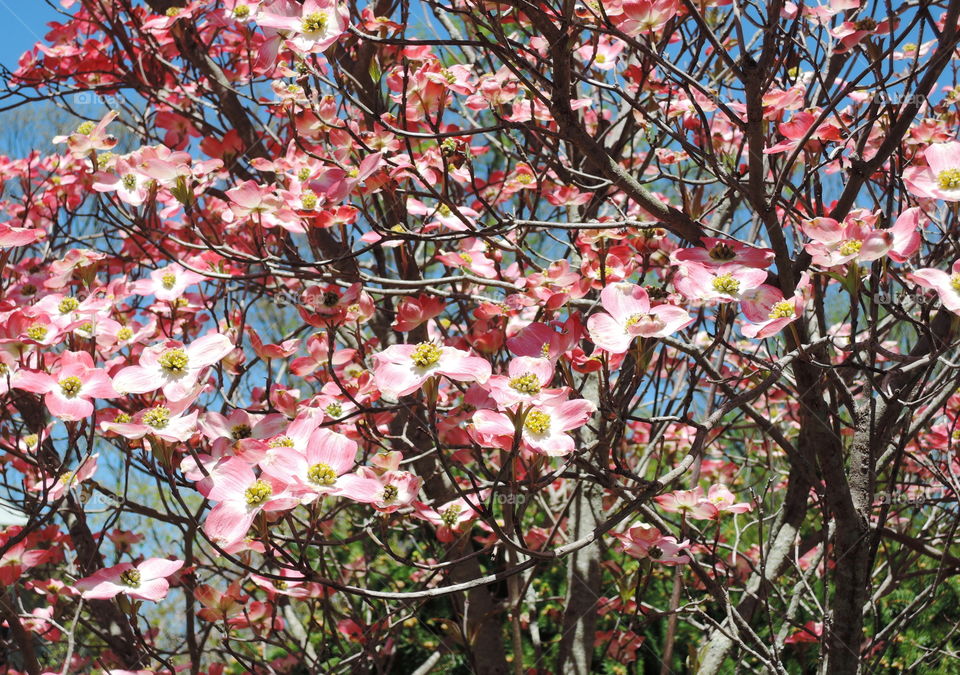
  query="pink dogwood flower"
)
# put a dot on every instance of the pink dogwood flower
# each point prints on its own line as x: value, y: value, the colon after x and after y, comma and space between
x: 402, y: 369
x: 131, y: 186
x: 544, y: 427
x: 691, y: 502
x: 239, y: 427
x: 646, y: 16
x: 172, y: 366
x: 940, y: 179
x: 603, y: 55
x: 720, y: 252
x: 856, y: 240
x: 312, y: 26
x: 90, y: 137
x: 645, y: 541
x: 526, y: 381
x: 727, y: 283
x: 386, y: 492
x: 946, y: 285
x: 548, y: 341
x: 450, y: 518
x: 167, y: 283
x: 145, y: 581
x: 769, y: 312
x: 19, y: 236
x: 414, y: 311
x: 629, y: 315
x: 56, y: 487
x: 242, y: 495
x: 316, y: 469
x: 718, y: 500
x: 725, y: 501
x: 67, y: 392
x: 165, y: 420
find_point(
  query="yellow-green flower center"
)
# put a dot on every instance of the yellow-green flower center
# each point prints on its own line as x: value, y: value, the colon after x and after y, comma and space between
x: 124, y: 333
x: 314, y: 22
x: 726, y: 284
x: 158, y: 417
x: 334, y: 409
x: 537, y: 422
x: 426, y: 354
x: 281, y: 442
x: 466, y: 257
x: 451, y: 514
x: 31, y: 440
x: 525, y: 178
x: 321, y: 474
x: 131, y: 577
x: 444, y: 210
x: 850, y: 247
x: 168, y: 280
x: 129, y: 181
x: 37, y: 332
x: 258, y: 493
x: 781, y: 310
x: 241, y: 11
x: 309, y: 200
x: 239, y: 431
x: 174, y: 361
x: 71, y: 386
x: 722, y: 252
x: 85, y: 128
x: 866, y: 23
x: 390, y: 493
x: 304, y: 173
x: 955, y: 282
x: 528, y: 383
x: 545, y: 349
x: 68, y: 304
x: 949, y: 179
x: 122, y: 418
x: 448, y: 75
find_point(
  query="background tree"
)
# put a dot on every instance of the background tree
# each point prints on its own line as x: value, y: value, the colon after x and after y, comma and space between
x: 483, y: 337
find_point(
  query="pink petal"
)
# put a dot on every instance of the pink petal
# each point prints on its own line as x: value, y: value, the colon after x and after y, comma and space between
x: 136, y: 380
x: 607, y: 334
x: 208, y: 350
x: 158, y: 568
x: 67, y: 409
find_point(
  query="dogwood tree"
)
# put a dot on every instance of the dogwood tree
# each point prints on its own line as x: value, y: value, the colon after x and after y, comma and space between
x: 499, y: 337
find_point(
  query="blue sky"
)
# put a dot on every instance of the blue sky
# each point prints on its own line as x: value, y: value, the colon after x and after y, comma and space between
x: 22, y: 24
